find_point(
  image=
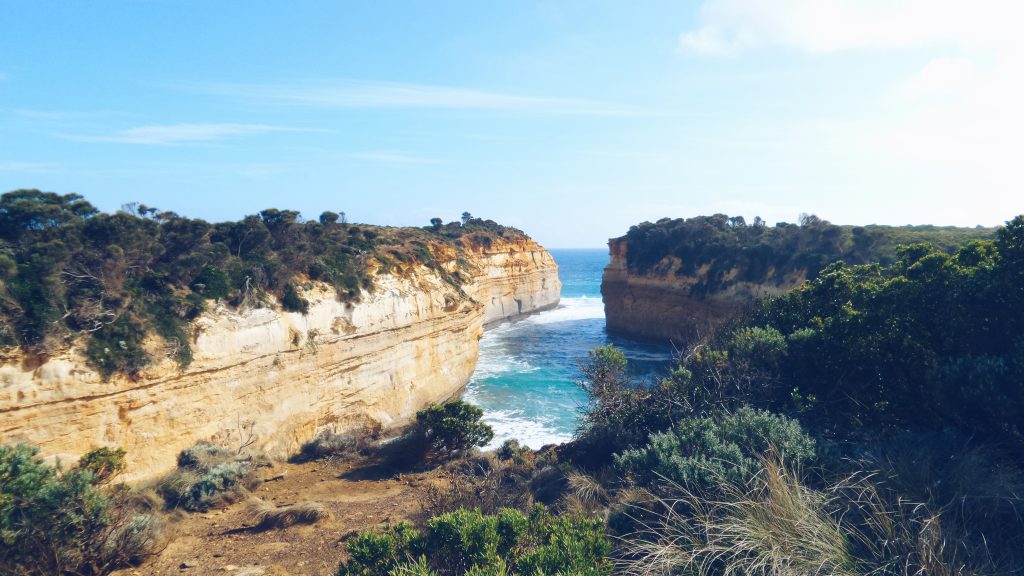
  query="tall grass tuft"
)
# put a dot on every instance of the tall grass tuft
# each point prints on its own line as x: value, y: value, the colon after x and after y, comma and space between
x: 266, y: 516
x: 777, y: 525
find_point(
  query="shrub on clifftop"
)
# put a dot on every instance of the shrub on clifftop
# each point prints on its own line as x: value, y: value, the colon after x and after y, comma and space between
x: 452, y: 427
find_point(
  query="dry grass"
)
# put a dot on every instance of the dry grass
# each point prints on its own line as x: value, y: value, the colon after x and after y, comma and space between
x: 778, y: 526
x: 267, y: 516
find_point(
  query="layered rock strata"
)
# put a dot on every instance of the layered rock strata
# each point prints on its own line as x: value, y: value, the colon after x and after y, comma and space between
x: 275, y: 379
x: 663, y: 305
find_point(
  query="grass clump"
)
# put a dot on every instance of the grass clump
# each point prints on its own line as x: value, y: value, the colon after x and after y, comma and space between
x: 267, y: 516
x: 327, y: 444
x: 208, y: 476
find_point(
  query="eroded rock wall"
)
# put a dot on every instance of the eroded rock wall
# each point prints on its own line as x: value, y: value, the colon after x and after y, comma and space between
x: 277, y: 377
x: 515, y: 278
x: 666, y: 306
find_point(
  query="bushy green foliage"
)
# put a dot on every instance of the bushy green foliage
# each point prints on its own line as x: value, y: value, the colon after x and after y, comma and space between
x: 925, y: 349
x: 55, y: 521
x: 469, y: 542
x: 929, y: 342
x: 69, y: 271
x: 733, y: 250
x: 207, y: 476
x: 452, y: 427
x: 103, y: 463
x: 292, y: 302
x: 699, y: 453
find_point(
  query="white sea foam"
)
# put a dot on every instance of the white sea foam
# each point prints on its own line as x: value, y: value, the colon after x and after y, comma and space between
x: 569, y: 309
x: 509, y: 424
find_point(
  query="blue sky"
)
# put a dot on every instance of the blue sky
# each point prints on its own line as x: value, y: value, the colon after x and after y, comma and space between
x: 571, y: 120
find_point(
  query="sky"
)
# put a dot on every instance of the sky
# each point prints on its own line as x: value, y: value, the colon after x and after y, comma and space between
x: 570, y: 120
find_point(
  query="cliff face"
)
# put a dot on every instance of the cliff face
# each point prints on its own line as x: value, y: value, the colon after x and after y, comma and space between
x: 663, y: 305
x: 277, y: 377
x: 515, y: 278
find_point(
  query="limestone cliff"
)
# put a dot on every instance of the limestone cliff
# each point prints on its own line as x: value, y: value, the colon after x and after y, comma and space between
x: 661, y: 304
x: 515, y: 278
x: 279, y: 377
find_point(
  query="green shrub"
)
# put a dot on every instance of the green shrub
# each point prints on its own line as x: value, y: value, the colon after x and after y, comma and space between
x: 56, y: 521
x: 452, y: 427
x: 469, y: 542
x: 212, y: 283
x: 701, y: 452
x: 117, y: 347
x: 292, y: 302
x: 103, y: 463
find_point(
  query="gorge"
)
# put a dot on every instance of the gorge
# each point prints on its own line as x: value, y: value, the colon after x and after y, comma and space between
x: 274, y: 378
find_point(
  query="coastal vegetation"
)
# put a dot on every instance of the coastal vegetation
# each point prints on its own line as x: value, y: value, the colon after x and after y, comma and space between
x: 56, y: 520
x: 864, y: 423
x: 126, y: 285
x: 724, y: 250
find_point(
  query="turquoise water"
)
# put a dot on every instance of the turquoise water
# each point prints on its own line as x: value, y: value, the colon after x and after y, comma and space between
x: 526, y: 377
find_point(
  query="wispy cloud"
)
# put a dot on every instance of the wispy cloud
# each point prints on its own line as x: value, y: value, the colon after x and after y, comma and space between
x: 727, y: 27
x: 391, y: 157
x: 167, y: 134
x: 369, y: 94
x: 13, y: 166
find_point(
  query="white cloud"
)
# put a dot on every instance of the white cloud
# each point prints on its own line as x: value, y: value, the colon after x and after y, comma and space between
x: 976, y: 129
x: 179, y: 133
x: 953, y: 127
x: 368, y: 94
x: 730, y: 26
x: 938, y: 77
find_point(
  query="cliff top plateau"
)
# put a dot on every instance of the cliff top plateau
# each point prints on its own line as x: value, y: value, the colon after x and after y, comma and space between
x: 125, y: 286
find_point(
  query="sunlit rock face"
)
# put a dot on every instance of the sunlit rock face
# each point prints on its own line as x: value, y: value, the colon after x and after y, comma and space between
x: 277, y: 378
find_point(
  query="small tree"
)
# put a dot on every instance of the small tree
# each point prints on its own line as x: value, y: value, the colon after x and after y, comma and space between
x: 436, y: 223
x: 453, y: 427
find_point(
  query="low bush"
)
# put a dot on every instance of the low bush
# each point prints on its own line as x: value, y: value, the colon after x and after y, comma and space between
x: 57, y: 521
x: 701, y: 452
x: 208, y: 476
x: 470, y: 542
x: 452, y: 428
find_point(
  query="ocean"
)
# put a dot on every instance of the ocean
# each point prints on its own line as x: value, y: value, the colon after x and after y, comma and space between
x: 526, y: 378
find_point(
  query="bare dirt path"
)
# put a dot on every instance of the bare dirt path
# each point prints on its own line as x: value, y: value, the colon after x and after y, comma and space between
x: 222, y: 542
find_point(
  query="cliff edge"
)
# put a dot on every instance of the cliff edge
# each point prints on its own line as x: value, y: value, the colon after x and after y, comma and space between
x: 271, y: 378
x: 678, y: 280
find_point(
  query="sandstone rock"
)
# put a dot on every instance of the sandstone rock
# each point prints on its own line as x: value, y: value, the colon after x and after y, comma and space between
x: 404, y: 345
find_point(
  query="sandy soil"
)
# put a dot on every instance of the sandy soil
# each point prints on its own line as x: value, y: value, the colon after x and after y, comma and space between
x: 222, y: 542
